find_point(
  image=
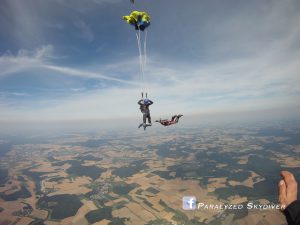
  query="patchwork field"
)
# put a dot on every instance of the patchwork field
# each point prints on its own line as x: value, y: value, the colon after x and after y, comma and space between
x: 82, y: 180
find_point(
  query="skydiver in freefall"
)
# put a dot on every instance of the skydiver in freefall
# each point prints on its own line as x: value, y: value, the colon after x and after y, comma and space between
x: 144, y: 107
x: 166, y: 122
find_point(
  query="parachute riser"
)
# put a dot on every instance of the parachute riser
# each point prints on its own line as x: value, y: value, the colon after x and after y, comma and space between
x: 146, y: 95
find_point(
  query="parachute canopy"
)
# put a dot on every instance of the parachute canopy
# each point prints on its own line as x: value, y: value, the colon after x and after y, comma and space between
x: 140, y: 20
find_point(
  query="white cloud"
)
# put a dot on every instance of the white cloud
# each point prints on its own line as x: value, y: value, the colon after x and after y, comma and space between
x: 24, y: 60
x: 86, y: 74
x: 233, y: 85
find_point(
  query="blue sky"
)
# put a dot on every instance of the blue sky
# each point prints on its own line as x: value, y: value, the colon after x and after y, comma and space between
x: 77, y: 60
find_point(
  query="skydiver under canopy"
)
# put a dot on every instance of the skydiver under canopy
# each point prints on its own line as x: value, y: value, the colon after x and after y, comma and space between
x: 141, y: 20
x: 167, y: 122
x: 144, y: 107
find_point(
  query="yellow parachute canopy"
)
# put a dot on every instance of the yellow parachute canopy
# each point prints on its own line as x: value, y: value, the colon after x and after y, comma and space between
x: 140, y: 20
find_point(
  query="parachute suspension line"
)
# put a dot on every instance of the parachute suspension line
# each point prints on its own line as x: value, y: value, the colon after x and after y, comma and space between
x: 140, y: 21
x: 142, y: 60
x: 142, y: 57
x: 138, y: 37
x: 145, y: 52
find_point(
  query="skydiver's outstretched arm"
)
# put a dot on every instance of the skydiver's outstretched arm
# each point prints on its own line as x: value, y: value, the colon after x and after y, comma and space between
x: 174, y: 118
x: 140, y: 102
x: 178, y: 117
x: 150, y: 102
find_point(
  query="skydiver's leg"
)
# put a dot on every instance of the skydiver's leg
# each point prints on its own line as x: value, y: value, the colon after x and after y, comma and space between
x: 146, y: 125
x: 149, y: 118
x: 144, y: 118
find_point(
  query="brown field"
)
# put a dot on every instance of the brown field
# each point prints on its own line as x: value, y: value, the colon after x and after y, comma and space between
x: 79, y: 218
x: 287, y: 161
x: 48, y: 222
x: 11, y: 188
x: 24, y: 221
x: 125, y: 212
x: 110, y: 203
x: 44, y: 167
x: 66, y: 221
x: 171, y: 195
x: 271, y: 217
x: 103, y: 222
x: 216, y: 183
x: 243, y: 161
x: 71, y: 187
x: 249, y: 182
x: 9, y: 208
x: 40, y: 214
x: 237, y: 199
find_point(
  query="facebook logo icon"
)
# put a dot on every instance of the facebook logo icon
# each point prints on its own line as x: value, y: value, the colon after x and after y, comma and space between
x: 189, y: 203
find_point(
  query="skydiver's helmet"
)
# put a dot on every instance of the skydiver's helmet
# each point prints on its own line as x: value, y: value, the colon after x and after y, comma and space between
x: 146, y: 101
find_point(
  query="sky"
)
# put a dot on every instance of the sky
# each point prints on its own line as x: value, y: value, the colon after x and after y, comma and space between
x: 67, y: 60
